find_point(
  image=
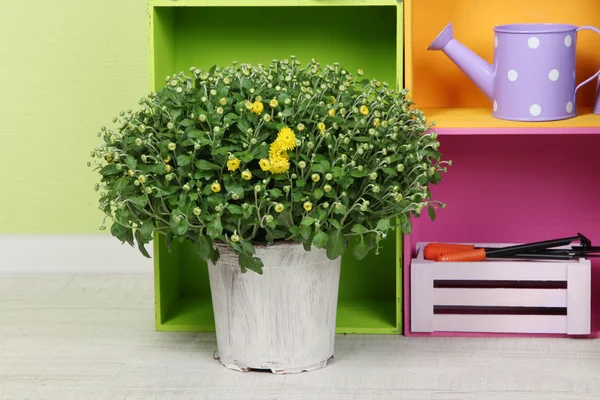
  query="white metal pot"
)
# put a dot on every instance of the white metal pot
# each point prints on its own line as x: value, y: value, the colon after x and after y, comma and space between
x: 283, y: 320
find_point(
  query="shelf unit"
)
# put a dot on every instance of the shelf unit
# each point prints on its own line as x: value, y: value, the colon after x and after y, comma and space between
x: 365, y: 34
x: 510, y: 182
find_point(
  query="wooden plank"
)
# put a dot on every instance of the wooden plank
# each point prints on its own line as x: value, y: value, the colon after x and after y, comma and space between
x: 421, y: 299
x: 502, y: 270
x: 268, y: 3
x: 579, y: 298
x: 500, y: 297
x: 500, y: 323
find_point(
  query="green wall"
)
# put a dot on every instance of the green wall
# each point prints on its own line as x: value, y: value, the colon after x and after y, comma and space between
x: 66, y: 68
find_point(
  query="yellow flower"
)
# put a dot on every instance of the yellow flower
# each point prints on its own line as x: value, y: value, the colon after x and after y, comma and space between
x: 215, y: 187
x: 331, y: 100
x: 279, y: 207
x: 265, y: 165
x: 279, y: 165
x: 273, y: 103
x: 276, y: 151
x: 376, y: 122
x: 321, y: 126
x: 257, y: 107
x: 167, y: 159
x: 246, y: 174
x: 315, y: 177
x: 331, y: 113
x: 286, y: 138
x: 307, y: 205
x: 364, y: 110
x: 234, y: 164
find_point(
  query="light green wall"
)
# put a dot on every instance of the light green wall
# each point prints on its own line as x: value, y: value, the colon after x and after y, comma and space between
x: 66, y: 68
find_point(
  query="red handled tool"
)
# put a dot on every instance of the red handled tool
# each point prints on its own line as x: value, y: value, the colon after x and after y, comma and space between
x: 536, y: 250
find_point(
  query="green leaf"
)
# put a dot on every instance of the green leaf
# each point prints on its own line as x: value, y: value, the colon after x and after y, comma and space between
x: 405, y: 225
x: 235, y: 209
x: 246, y: 156
x: 187, y: 122
x: 141, y: 201
x: 199, y: 174
x: 335, y: 244
x: 179, y: 225
x: 318, y: 193
x: 358, y: 174
x: 214, y: 228
x: 130, y: 162
x: 140, y: 244
x: 147, y: 228
x: 359, y: 229
x: 361, y: 249
x: 305, y: 231
x: 431, y: 212
x: 235, y: 187
x: 119, y: 185
x: 249, y: 262
x: 300, y: 183
x: 320, y: 240
x: 345, y: 181
x: 110, y: 169
x: 119, y: 231
x: 340, y: 209
x: 390, y: 171
x: 338, y: 172
x: 203, y: 248
x: 274, y: 193
x: 361, y: 139
x: 383, y: 224
x: 335, y: 223
x: 169, y: 241
x: 183, y: 160
x: 288, y: 111
x: 307, y: 221
x: 206, y: 165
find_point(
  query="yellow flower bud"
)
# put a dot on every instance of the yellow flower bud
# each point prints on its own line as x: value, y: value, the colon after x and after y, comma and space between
x: 308, y: 205
x: 257, y: 107
x: 246, y: 174
x: 279, y: 207
x: 273, y: 103
x: 364, y: 110
x: 233, y: 164
x: 321, y: 126
x: 215, y: 187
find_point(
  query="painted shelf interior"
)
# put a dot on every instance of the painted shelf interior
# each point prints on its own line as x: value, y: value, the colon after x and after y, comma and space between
x: 451, y: 99
x: 182, y: 37
x: 514, y: 189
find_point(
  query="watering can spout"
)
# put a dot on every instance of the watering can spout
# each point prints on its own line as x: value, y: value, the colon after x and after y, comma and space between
x: 475, y: 67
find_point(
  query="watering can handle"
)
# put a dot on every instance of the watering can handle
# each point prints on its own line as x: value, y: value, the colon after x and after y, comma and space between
x: 589, y: 28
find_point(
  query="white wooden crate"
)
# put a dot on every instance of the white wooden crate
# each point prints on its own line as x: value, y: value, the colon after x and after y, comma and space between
x: 560, y: 285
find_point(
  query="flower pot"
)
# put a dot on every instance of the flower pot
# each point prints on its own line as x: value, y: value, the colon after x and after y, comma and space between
x: 283, y: 320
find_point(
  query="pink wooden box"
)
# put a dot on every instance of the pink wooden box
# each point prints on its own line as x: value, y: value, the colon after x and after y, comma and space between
x: 508, y: 296
x: 512, y: 188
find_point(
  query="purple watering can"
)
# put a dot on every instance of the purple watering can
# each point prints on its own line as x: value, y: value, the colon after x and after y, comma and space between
x: 533, y: 75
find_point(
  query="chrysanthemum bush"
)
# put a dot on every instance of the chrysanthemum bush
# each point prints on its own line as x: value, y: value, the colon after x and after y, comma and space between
x: 255, y: 154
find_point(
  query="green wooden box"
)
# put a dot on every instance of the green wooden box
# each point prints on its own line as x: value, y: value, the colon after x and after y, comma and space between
x: 363, y: 34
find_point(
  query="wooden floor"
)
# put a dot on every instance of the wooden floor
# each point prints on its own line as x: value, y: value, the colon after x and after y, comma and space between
x: 66, y: 337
